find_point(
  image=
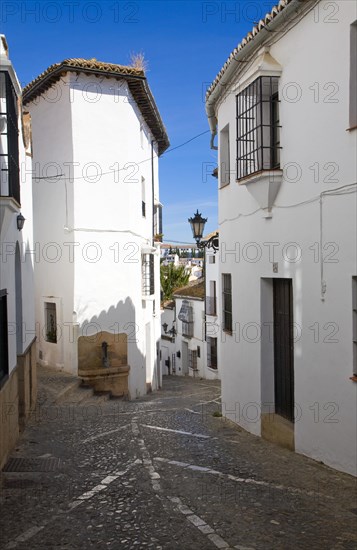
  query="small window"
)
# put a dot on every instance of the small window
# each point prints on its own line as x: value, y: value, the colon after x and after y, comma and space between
x: 9, y: 139
x: 173, y: 362
x: 212, y: 352
x: 198, y: 351
x: 193, y: 359
x: 211, y: 299
x: 224, y: 157
x: 51, y: 322
x: 353, y: 75
x: 354, y: 324
x: 227, y: 301
x: 143, y: 203
x: 212, y: 259
x: 158, y: 221
x: 148, y: 274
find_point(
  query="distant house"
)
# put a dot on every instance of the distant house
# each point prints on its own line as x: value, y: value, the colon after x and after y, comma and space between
x: 97, y: 136
x: 212, y: 306
x: 190, y: 326
x: 17, y: 306
x: 171, y: 259
x: 186, y: 348
x: 284, y: 109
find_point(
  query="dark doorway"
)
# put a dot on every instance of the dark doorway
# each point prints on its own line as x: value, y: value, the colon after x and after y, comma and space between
x: 283, y: 348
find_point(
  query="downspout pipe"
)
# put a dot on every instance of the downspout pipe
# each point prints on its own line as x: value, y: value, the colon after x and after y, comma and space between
x: 241, y: 57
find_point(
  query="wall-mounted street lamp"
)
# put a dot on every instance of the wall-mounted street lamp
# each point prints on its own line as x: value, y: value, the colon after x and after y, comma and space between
x: 20, y: 220
x: 197, y: 225
x: 172, y: 330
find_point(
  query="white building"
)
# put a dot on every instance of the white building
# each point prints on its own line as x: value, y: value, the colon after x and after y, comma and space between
x: 17, y: 311
x: 97, y: 136
x: 190, y: 329
x: 287, y: 223
x: 171, y: 259
x: 189, y: 336
x: 212, y: 308
x: 168, y: 351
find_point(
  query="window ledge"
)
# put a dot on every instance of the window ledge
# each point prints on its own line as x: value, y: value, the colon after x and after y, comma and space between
x: 148, y: 298
x: 273, y: 175
x: 264, y: 187
x: 353, y: 378
x: 351, y: 129
x: 10, y: 202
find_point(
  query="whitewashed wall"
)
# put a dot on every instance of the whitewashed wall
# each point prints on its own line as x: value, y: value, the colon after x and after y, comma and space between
x: 314, y: 130
x: 197, y: 338
x: 92, y: 131
x: 213, y: 322
x: 13, y: 239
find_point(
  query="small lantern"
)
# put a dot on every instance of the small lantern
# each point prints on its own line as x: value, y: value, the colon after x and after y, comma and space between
x: 197, y: 225
x: 20, y: 222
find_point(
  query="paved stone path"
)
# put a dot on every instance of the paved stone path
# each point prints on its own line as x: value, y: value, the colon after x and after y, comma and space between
x: 163, y: 473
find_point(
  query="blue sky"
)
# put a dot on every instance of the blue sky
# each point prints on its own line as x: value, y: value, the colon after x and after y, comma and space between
x: 185, y: 44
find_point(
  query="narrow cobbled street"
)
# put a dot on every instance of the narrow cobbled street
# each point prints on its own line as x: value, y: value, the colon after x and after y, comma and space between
x: 162, y: 472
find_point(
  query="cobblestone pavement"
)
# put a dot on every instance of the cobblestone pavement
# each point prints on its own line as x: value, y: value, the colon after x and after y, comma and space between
x: 163, y: 473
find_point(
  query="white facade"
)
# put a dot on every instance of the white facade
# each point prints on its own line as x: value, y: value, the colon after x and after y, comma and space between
x: 168, y: 352
x: 190, y: 339
x: 189, y: 351
x: 295, y: 221
x: 95, y: 220
x: 213, y: 313
x: 17, y: 311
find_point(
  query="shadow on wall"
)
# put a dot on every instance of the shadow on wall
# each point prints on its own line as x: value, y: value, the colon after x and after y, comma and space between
x: 110, y: 342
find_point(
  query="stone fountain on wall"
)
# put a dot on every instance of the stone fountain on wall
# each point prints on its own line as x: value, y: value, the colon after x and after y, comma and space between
x: 103, y: 362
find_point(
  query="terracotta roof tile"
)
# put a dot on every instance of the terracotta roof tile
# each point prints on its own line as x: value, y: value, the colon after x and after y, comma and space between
x: 136, y: 81
x: 194, y: 290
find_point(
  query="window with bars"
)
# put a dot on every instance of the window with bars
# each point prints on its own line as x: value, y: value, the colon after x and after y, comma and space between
x: 258, y: 127
x: 4, y: 344
x: 9, y: 139
x: 148, y: 274
x: 143, y: 194
x: 227, y: 301
x: 187, y: 329
x: 158, y: 219
x: 173, y: 362
x: 211, y: 300
x: 212, y: 352
x: 51, y: 322
x: 192, y: 359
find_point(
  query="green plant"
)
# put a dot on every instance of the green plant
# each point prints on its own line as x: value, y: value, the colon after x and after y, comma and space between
x: 172, y: 277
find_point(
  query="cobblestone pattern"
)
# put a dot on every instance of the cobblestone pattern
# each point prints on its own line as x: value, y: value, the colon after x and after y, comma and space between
x: 164, y: 473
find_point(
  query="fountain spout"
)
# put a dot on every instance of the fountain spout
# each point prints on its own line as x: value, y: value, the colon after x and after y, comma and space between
x: 105, y: 360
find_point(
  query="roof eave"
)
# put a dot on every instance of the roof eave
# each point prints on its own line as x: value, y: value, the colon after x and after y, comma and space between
x: 239, y: 57
x: 31, y: 91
